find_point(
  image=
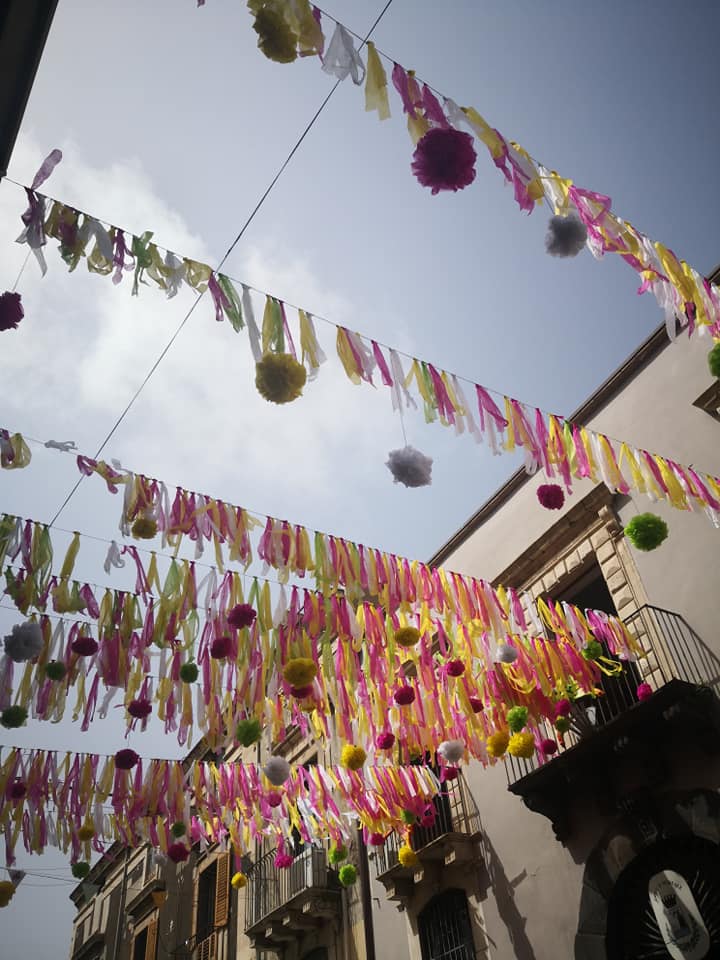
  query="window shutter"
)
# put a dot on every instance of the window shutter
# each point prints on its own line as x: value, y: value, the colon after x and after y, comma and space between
x: 151, y: 942
x: 222, y: 890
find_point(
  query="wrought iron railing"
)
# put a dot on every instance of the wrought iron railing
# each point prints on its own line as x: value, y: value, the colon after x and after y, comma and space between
x: 455, y: 812
x: 269, y: 888
x: 672, y: 650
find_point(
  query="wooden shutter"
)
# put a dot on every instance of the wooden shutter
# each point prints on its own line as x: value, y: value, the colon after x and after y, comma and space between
x: 222, y: 890
x: 151, y: 942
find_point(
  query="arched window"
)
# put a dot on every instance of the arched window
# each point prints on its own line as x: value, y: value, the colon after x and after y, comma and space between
x: 445, y: 928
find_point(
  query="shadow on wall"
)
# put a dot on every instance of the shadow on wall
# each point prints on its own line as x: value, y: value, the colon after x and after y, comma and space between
x: 504, y: 891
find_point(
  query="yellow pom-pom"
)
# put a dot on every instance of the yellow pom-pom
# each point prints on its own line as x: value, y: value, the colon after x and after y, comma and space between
x: 407, y: 856
x: 497, y: 743
x: 144, y: 528
x: 239, y: 880
x: 407, y: 636
x: 86, y: 832
x: 275, y: 38
x: 7, y: 890
x: 352, y: 757
x: 300, y: 672
x: 522, y: 745
x: 279, y: 377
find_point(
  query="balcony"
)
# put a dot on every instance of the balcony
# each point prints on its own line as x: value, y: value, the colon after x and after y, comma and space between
x: 453, y: 838
x: 282, y: 904
x: 618, y: 744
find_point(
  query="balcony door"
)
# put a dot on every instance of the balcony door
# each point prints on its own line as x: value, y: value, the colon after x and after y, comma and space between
x: 445, y: 928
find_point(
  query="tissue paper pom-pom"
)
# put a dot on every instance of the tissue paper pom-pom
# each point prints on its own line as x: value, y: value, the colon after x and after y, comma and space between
x: 385, y: 741
x: 300, y: 672
x: 407, y: 636
x: 562, y: 724
x: 189, y: 672
x: 505, y: 653
x: 86, y: 832
x: 428, y: 816
x: 476, y: 704
x: 376, y: 839
x: 521, y: 745
x: 241, y: 616
x: 566, y: 236
x: 17, y: 790
x: 562, y: 708
x: 84, y: 646
x: 178, y: 829
x: 410, y: 467
x: 301, y: 692
x: 455, y: 668
x: 646, y: 531
x: 178, y: 852
x: 144, y: 528
x: 517, y: 718
x: 274, y: 799
x: 275, y: 38
x: 7, y: 889
x: 283, y: 861
x: 12, y: 717
x: 714, y: 361
x: 452, y: 751
x: 80, y: 869
x: 592, y: 650
x: 444, y: 159
x: 277, y: 770
x: 24, y: 642
x: 238, y: 881
x: 407, y: 856
x: 337, y: 854
x: 644, y: 691
x: 352, y: 757
x: 11, y: 310
x: 139, y: 709
x: 248, y: 732
x: 550, y: 496
x: 548, y: 747
x: 404, y: 696
x: 347, y: 875
x: 497, y: 743
x: 408, y: 817
x: 451, y: 773
x: 220, y: 648
x: 279, y: 378
x: 55, y: 670
x: 126, y: 759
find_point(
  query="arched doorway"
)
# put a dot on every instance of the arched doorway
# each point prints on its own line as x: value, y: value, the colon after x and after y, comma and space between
x: 445, y: 928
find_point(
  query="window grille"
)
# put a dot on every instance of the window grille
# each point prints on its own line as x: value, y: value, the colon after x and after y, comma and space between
x: 445, y: 928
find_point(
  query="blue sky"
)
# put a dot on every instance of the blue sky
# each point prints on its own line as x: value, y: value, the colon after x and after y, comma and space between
x: 170, y: 119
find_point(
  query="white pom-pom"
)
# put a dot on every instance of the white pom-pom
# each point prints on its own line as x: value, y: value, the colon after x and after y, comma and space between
x: 410, y: 467
x: 25, y: 642
x: 158, y: 858
x: 277, y: 770
x: 505, y: 653
x: 452, y: 751
x: 566, y: 236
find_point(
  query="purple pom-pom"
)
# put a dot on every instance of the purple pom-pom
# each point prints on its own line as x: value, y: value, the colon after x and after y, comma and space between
x: 644, y: 691
x: 140, y: 708
x: 126, y: 759
x: 551, y: 496
x: 243, y: 615
x: 444, y: 159
x: 11, y: 310
x: 220, y: 648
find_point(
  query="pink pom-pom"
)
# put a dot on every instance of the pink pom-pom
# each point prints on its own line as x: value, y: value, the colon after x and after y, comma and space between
x: 562, y: 708
x: 444, y: 159
x: 450, y: 773
x: 301, y: 692
x: 427, y: 818
x: 644, y: 691
x: 274, y: 799
x: 455, y: 668
x: 17, y: 790
x: 386, y: 741
x: 548, y: 747
x: 243, y: 615
x: 283, y: 861
x: 84, y: 646
x: 178, y: 852
x: 551, y: 496
x: 376, y: 839
x: 126, y: 759
x: 139, y: 709
x: 11, y: 311
x: 477, y: 705
x: 220, y: 648
x: 404, y: 696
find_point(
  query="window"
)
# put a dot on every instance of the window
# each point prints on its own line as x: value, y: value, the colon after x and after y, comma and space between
x: 445, y: 928
x: 213, y: 897
x: 145, y: 942
x: 140, y: 945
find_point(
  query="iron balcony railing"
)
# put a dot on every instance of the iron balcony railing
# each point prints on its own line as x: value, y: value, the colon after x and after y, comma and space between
x: 672, y: 651
x: 270, y: 889
x: 455, y: 812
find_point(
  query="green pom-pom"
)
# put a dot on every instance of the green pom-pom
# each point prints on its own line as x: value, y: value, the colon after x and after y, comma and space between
x: 189, y: 672
x: 13, y: 717
x: 714, y: 361
x: 646, y: 531
x: 55, y: 670
x: 517, y: 717
x: 178, y: 829
x: 337, y: 854
x: 408, y: 817
x: 248, y: 732
x: 592, y: 650
x: 80, y: 869
x: 562, y: 724
x: 347, y: 875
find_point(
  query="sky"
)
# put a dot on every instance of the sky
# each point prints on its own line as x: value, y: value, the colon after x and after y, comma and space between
x: 171, y: 120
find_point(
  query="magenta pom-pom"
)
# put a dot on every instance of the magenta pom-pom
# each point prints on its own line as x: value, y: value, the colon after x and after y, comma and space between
x: 548, y: 747
x: 477, y: 705
x: 376, y: 839
x: 84, y: 646
x: 274, y: 799
x: 644, y: 691
x: 404, y: 696
x: 455, y: 668
x: 385, y: 741
x: 283, y: 861
x: 178, y: 852
x: 11, y: 310
x: 551, y: 496
x: 562, y: 708
x: 140, y: 709
x: 301, y: 692
x: 243, y: 615
x: 17, y: 790
x: 220, y: 648
x: 126, y: 759
x: 450, y: 773
x: 444, y: 159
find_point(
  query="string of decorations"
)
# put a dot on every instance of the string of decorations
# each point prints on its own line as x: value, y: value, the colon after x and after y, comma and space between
x: 444, y: 136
